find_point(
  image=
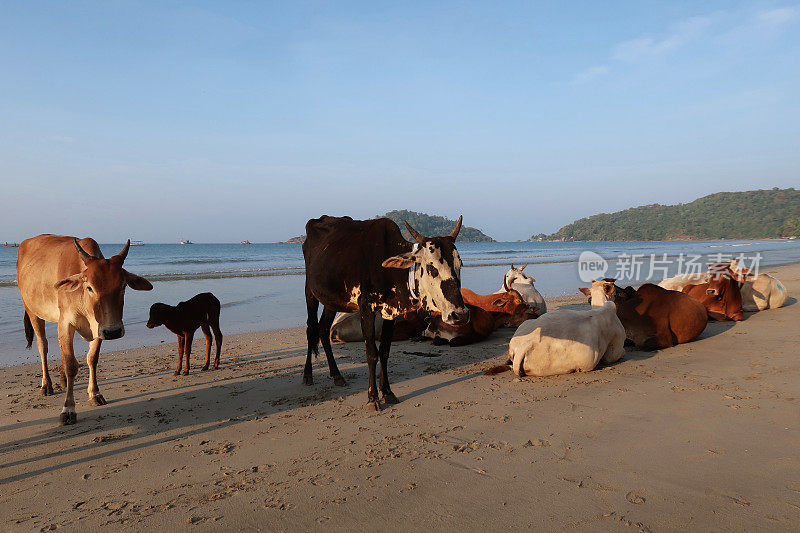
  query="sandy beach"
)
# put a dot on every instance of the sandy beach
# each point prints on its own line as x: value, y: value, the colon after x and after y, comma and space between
x: 702, y: 436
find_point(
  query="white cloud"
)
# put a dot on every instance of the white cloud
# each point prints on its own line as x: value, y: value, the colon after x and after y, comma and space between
x: 647, y: 47
x: 590, y: 74
x: 775, y: 18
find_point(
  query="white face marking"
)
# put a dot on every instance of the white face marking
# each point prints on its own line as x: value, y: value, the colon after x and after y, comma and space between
x: 433, y: 272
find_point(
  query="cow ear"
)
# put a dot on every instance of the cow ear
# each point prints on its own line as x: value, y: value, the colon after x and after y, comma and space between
x: 400, y: 261
x: 499, y: 302
x: 711, y: 291
x: 137, y: 283
x: 71, y: 283
x: 585, y: 290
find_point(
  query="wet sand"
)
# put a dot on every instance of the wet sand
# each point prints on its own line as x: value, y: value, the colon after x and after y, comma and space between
x: 703, y: 436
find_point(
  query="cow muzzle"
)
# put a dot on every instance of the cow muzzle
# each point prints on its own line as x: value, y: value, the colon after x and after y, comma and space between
x: 112, y: 333
x: 457, y: 318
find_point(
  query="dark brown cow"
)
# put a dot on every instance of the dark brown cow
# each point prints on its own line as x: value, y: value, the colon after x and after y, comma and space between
x: 486, y: 314
x: 201, y: 311
x: 653, y: 317
x: 363, y: 265
x: 68, y: 281
x: 721, y: 295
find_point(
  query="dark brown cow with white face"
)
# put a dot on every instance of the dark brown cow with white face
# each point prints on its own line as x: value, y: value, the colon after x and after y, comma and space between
x: 363, y: 265
x: 69, y: 282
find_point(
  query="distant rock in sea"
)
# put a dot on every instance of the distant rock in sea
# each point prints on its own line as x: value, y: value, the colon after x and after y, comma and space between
x: 300, y: 239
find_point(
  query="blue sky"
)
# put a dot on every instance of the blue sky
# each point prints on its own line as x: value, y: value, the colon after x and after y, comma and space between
x: 221, y: 121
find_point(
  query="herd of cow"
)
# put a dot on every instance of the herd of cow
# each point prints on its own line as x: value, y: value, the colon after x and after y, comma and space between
x: 384, y: 287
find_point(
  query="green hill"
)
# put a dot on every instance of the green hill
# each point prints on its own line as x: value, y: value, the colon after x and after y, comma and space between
x: 431, y: 225
x: 723, y: 215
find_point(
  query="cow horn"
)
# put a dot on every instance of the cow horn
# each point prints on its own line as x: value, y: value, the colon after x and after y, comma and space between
x: 523, y: 267
x: 124, y: 253
x: 81, y: 252
x: 455, y: 231
x: 414, y: 233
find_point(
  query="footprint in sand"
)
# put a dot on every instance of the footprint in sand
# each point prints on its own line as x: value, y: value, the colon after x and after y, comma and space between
x: 634, y: 498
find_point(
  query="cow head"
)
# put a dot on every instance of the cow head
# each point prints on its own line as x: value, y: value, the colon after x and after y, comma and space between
x: 517, y: 309
x: 102, y: 282
x: 721, y: 295
x: 158, y: 314
x: 516, y: 275
x: 601, y: 291
x: 438, y: 274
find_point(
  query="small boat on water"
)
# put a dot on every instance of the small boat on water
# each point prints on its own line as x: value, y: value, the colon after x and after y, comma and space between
x: 137, y: 243
x: 245, y: 242
x: 15, y: 245
x: 186, y: 241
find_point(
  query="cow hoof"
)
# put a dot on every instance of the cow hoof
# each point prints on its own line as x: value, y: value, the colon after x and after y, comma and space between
x: 177, y: 373
x: 97, y: 400
x: 339, y: 381
x: 47, y: 390
x: 204, y: 368
x: 373, y: 405
x: 185, y: 372
x: 308, y: 380
x: 390, y: 398
x: 67, y: 419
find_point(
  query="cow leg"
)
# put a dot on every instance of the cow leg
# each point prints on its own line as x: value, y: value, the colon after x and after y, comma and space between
x: 70, y: 366
x: 181, y: 344
x: 41, y: 344
x: 368, y: 329
x: 325, y: 322
x: 207, y: 333
x: 92, y: 357
x: 386, y: 343
x: 187, y: 350
x: 218, y: 340
x: 312, y: 334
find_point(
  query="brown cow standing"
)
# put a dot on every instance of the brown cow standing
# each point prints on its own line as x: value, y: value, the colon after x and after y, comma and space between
x: 201, y: 311
x: 486, y: 314
x: 68, y: 281
x: 721, y: 295
x: 653, y: 317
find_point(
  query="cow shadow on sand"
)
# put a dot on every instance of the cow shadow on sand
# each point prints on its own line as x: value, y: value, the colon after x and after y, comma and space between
x: 143, y: 414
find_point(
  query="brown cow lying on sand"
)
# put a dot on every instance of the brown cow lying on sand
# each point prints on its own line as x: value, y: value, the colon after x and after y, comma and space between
x: 653, y: 317
x: 201, y: 311
x: 721, y: 294
x: 486, y: 314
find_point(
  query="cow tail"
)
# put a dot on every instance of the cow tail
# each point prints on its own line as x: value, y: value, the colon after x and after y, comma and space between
x: 499, y: 369
x: 28, y: 330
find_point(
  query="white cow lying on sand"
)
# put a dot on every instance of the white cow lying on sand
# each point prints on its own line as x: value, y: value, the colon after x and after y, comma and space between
x: 346, y: 327
x: 677, y: 283
x: 759, y: 292
x: 566, y: 340
x: 517, y: 280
